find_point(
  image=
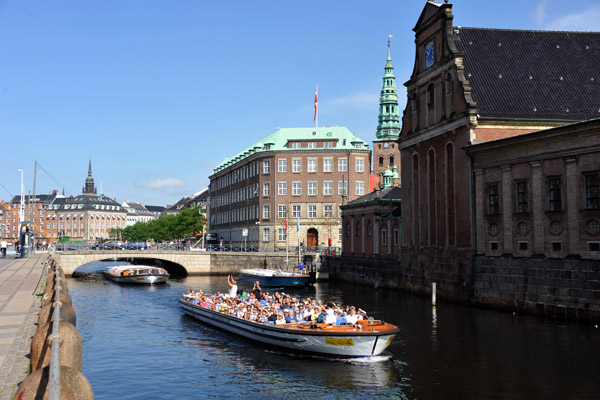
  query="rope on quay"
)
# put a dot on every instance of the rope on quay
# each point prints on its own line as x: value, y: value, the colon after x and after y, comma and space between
x: 56, y: 347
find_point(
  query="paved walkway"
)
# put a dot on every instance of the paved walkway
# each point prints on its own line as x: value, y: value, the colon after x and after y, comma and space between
x: 19, y: 307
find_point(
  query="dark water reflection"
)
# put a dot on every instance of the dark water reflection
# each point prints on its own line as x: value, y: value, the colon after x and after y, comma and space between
x: 138, y: 345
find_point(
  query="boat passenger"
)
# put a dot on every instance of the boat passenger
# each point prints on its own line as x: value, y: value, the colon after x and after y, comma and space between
x: 256, y: 290
x: 352, y: 316
x: 340, y: 318
x: 233, y: 286
x: 329, y: 316
x: 280, y: 319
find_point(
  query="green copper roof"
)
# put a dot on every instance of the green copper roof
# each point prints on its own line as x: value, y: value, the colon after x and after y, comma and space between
x: 389, y: 113
x: 281, y: 138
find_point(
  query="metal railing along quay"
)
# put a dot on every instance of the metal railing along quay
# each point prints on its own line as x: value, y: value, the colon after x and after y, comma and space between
x: 56, y: 347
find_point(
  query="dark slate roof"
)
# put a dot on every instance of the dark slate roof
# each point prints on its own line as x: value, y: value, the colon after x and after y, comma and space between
x: 541, y: 75
x: 86, y: 202
x: 392, y: 193
x: 154, y: 209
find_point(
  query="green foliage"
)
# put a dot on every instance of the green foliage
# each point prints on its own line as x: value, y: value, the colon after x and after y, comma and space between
x: 168, y: 227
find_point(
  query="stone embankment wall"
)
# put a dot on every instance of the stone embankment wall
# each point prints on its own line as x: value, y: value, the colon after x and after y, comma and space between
x: 551, y: 287
x: 73, y: 384
x: 230, y: 263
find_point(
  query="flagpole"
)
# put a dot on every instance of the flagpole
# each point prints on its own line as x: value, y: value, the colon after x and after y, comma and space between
x: 316, y: 118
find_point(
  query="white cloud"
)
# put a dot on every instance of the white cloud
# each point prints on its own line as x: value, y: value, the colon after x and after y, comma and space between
x: 357, y: 100
x: 540, y: 12
x: 586, y: 20
x: 162, y: 183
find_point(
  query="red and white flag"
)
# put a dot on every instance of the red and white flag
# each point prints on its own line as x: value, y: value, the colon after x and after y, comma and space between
x: 316, y: 103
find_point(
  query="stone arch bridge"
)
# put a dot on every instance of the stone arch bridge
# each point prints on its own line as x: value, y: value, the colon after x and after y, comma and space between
x: 178, y: 263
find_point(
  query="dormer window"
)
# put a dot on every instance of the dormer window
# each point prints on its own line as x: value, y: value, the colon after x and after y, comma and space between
x: 358, y: 145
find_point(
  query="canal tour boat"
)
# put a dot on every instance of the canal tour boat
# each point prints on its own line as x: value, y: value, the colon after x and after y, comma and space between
x: 279, y: 278
x: 137, y: 274
x: 367, y: 338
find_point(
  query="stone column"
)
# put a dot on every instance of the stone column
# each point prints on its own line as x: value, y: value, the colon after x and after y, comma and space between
x: 537, y: 207
x: 572, y: 204
x: 480, y: 222
x: 507, y: 208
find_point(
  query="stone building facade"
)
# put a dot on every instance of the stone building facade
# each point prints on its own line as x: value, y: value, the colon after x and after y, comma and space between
x: 295, y: 177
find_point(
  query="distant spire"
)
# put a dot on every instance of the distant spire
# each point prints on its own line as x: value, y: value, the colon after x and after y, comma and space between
x: 389, y: 114
x: 89, y: 188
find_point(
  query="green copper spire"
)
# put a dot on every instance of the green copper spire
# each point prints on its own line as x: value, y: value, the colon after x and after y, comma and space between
x: 389, y: 114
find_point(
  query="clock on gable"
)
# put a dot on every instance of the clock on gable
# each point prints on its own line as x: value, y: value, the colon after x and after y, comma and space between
x: 429, y: 54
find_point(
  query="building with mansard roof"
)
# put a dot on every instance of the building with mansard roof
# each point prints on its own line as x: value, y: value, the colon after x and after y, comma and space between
x: 89, y: 216
x: 287, y: 188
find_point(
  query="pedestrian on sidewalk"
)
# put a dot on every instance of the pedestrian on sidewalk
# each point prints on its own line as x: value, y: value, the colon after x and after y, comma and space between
x: 3, y: 246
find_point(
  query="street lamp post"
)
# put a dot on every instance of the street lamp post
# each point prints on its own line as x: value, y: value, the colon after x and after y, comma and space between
x: 22, y: 206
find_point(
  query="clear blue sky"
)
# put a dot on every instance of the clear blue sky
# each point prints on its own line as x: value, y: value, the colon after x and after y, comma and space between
x: 160, y: 92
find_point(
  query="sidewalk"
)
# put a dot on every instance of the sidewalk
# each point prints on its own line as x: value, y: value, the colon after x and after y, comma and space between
x: 19, y: 308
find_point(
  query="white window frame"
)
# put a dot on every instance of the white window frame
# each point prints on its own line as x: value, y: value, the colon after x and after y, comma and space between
x: 312, y: 185
x: 360, y: 164
x: 342, y: 164
x: 360, y: 188
x: 296, y: 211
x: 281, y: 211
x: 312, y: 145
x: 296, y: 165
x: 312, y: 165
x: 266, y: 167
x: 282, y: 165
x: 296, y: 188
x: 266, y: 189
x: 327, y: 188
x: 328, y: 145
x: 281, y: 235
x: 343, y: 188
x: 328, y: 164
x: 327, y: 210
x: 266, y: 234
x: 266, y: 212
x: 282, y: 188
x: 296, y: 145
x: 312, y: 211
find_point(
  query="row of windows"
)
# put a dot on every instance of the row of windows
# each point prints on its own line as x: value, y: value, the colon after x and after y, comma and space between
x: 312, y: 165
x: 282, y: 187
x: 311, y: 211
x: 312, y: 145
x: 282, y: 234
x: 236, y: 215
x: 243, y: 172
x: 236, y: 195
x: 369, y: 233
x: 554, y: 189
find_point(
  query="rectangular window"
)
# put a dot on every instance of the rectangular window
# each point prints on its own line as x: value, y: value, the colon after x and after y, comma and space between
x: 312, y: 188
x: 296, y: 188
x: 327, y: 188
x: 522, y: 196
x: 266, y: 189
x: 282, y: 188
x: 556, y: 246
x: 266, y: 166
x: 281, y: 211
x: 296, y: 211
x: 523, y: 246
x: 360, y: 165
x: 312, y: 145
x: 312, y: 211
x: 593, y: 247
x: 266, y: 235
x: 281, y: 234
x: 328, y: 165
x: 358, y: 145
x: 554, y: 195
x: 360, y: 188
x: 296, y: 145
x: 266, y: 212
x: 342, y: 164
x: 493, y: 246
x: 383, y: 237
x: 592, y: 191
x: 342, y: 188
x: 493, y: 203
x: 396, y: 237
x: 296, y: 165
x: 327, y: 210
x: 328, y: 145
x: 312, y: 165
x: 282, y: 165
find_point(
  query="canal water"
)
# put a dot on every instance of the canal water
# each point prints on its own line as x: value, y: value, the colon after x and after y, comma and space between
x: 137, y: 344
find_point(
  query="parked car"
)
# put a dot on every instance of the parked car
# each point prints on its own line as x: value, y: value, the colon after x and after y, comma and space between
x: 112, y: 245
x: 133, y: 246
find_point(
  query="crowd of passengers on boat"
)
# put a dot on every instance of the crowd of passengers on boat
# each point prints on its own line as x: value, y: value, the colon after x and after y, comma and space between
x: 274, y: 309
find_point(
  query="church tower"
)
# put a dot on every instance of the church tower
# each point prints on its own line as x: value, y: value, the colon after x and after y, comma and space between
x: 385, y: 149
x: 89, y: 188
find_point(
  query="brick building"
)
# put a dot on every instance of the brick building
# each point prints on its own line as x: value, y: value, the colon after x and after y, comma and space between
x: 495, y: 159
x: 294, y: 174
x: 37, y: 210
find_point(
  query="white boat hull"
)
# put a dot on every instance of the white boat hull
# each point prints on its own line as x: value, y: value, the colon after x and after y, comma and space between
x: 323, y: 341
x: 138, y: 279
